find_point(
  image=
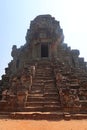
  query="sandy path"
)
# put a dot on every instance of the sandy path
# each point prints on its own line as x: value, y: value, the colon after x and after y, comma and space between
x: 42, y: 125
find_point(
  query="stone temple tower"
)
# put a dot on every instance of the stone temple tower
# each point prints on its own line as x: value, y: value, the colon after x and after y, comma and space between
x: 44, y: 40
x: 44, y: 37
x: 46, y: 78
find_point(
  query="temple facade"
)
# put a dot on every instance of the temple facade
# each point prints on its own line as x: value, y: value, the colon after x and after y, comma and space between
x: 44, y: 40
x: 45, y: 74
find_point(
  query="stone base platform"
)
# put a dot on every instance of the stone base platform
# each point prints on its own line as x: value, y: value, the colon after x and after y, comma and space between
x: 47, y: 116
x: 42, y: 116
x: 37, y: 115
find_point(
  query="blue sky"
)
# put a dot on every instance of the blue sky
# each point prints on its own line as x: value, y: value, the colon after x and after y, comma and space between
x: 15, y: 17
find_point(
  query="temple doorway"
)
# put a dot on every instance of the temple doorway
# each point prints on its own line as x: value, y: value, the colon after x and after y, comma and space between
x: 44, y: 50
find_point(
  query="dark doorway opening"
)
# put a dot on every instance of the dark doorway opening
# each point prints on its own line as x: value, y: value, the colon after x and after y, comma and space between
x: 44, y: 50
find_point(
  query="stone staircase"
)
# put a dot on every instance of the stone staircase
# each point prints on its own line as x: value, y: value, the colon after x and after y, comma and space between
x: 43, y: 100
x: 44, y: 95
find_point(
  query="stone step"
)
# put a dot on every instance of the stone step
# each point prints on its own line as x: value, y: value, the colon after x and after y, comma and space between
x: 35, y: 87
x: 50, y: 108
x: 79, y: 116
x: 44, y: 73
x: 40, y: 92
x: 50, y: 86
x: 38, y: 74
x: 34, y: 103
x: 42, y: 99
x: 43, y: 70
x: 35, y: 95
x: 43, y: 96
x: 51, y: 98
x: 4, y: 115
x: 42, y: 103
x: 36, y: 80
x: 41, y: 77
x: 43, y: 90
x: 35, y: 99
x: 38, y: 84
x: 37, y: 115
x: 40, y: 68
x: 45, y: 108
x: 33, y: 109
x: 36, y: 91
x: 38, y: 88
x: 46, y: 67
x: 50, y: 90
x: 57, y: 115
x: 50, y: 81
x: 51, y: 95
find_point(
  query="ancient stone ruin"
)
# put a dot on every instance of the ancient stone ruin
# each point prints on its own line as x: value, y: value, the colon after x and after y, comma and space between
x: 46, y: 79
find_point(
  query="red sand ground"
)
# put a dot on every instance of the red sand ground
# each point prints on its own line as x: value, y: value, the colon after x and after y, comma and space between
x: 7, y: 124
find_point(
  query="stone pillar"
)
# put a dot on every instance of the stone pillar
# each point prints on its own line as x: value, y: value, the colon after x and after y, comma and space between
x: 49, y: 50
x: 53, y: 50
